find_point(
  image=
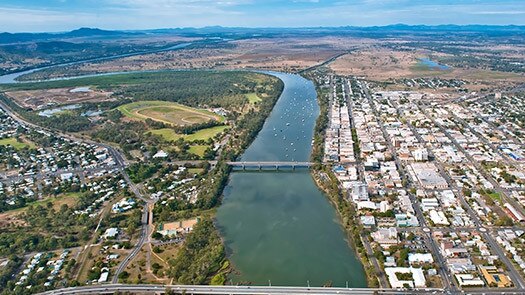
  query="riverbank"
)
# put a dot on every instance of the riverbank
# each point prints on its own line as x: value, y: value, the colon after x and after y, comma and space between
x: 326, y: 181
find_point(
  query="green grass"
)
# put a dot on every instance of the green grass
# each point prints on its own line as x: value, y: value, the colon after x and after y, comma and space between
x: 14, y: 143
x: 253, y: 97
x: 195, y: 170
x: 169, y: 134
x: 198, y: 150
x: 69, y: 199
x: 495, y: 196
x: 167, y: 112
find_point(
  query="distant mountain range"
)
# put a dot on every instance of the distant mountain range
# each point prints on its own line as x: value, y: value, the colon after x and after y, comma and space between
x: 219, y: 31
x: 79, y: 33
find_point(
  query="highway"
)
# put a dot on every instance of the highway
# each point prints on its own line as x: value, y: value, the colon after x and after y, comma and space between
x: 255, y: 290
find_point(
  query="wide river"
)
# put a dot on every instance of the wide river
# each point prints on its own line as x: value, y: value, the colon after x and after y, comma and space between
x: 278, y: 226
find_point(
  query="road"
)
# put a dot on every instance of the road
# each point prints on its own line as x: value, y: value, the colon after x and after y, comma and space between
x: 255, y: 290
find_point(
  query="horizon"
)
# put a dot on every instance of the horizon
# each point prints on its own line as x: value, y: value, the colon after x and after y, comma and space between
x: 269, y: 27
x: 65, y: 15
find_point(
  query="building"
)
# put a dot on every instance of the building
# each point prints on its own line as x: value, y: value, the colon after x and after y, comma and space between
x: 514, y: 214
x: 418, y: 277
x: 359, y: 192
x: 428, y: 176
x: 385, y: 237
x: 160, y: 154
x: 494, y: 277
x: 420, y: 258
x: 420, y: 155
x: 428, y: 204
x: 368, y: 221
x: 468, y: 280
x: 178, y: 227
x: 110, y: 233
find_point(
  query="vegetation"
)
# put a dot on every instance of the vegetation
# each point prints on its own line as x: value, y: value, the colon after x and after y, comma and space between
x: 139, y: 172
x: 8, y: 271
x: 201, y: 256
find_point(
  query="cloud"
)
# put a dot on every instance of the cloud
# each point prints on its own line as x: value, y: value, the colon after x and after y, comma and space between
x: 140, y: 14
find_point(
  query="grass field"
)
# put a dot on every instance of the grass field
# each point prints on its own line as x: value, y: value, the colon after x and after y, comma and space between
x: 203, y: 134
x: 496, y: 197
x: 168, y: 113
x: 14, y: 143
x: 69, y: 199
x: 198, y: 149
x: 253, y: 98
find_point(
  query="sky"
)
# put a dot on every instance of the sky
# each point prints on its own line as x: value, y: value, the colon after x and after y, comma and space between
x: 64, y: 15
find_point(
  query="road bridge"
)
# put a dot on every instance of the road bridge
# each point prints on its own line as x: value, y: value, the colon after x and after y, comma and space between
x: 269, y: 165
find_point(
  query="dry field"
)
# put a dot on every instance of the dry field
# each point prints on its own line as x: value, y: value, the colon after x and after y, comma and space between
x: 376, y: 63
x: 381, y: 64
x: 282, y: 54
x: 37, y: 99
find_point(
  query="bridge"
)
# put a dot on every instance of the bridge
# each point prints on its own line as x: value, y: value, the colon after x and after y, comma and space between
x: 229, y: 290
x: 260, y: 165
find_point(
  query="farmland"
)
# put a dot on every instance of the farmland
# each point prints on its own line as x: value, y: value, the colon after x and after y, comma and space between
x: 167, y: 112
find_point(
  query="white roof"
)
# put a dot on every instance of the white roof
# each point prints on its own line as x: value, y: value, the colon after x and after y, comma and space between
x: 103, y: 277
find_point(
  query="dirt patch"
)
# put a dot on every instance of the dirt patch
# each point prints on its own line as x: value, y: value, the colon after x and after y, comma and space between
x: 38, y: 99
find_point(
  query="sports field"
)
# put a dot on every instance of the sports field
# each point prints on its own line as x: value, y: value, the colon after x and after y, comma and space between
x: 168, y: 113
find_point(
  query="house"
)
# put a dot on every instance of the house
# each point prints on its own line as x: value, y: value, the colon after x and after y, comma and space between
x: 103, y: 277
x: 110, y: 233
x: 66, y: 176
x: 160, y: 154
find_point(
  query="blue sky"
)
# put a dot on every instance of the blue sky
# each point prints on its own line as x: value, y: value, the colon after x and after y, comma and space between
x: 62, y: 15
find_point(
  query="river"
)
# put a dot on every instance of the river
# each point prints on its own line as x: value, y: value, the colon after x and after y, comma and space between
x: 12, y: 78
x: 278, y: 227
